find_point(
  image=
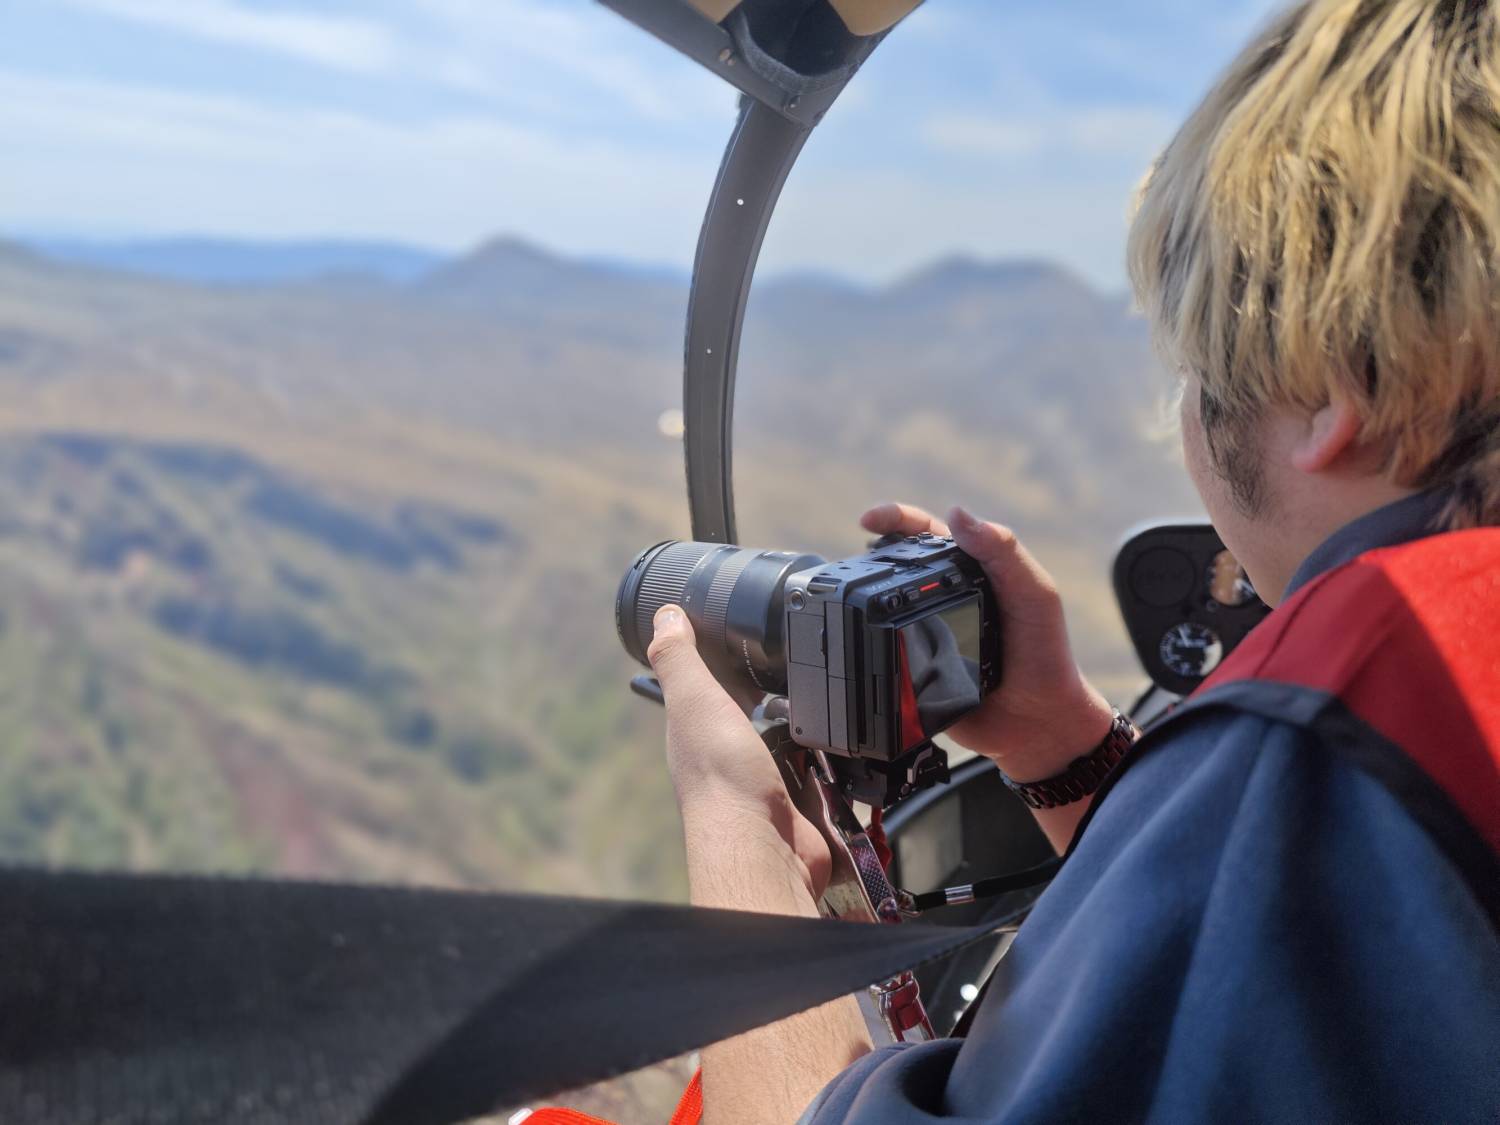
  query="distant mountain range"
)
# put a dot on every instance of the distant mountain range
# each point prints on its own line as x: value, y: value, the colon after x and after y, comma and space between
x: 238, y: 261
x: 505, y: 260
x: 225, y: 261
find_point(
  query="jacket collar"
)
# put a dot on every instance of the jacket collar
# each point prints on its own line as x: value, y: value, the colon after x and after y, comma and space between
x: 1413, y: 517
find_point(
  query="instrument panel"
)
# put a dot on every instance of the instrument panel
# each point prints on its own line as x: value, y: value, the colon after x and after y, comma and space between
x: 1186, y: 601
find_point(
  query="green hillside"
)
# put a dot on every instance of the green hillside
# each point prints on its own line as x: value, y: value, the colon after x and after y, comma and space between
x: 210, y: 664
x: 317, y: 579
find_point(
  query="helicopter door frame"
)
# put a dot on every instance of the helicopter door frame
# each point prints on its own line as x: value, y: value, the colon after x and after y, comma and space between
x: 778, y: 112
x: 757, y: 161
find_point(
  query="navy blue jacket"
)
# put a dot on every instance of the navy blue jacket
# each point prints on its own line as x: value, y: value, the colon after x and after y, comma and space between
x: 1248, y: 930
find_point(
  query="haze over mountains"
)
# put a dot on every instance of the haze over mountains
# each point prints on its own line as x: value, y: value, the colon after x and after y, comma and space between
x: 227, y: 261
x: 233, y: 261
x: 306, y: 563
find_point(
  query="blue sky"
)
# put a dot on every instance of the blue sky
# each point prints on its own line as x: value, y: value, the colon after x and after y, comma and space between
x: 1000, y: 128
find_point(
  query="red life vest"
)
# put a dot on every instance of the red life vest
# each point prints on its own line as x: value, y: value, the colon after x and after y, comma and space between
x: 1393, y: 661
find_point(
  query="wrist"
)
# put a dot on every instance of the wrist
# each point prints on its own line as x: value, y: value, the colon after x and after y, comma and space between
x: 1084, y: 774
x: 1073, y: 730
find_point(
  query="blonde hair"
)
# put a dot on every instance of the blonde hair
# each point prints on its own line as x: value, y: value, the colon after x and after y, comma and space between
x: 1327, y: 223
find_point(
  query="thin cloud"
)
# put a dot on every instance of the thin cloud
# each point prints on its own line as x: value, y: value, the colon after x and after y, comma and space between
x: 1100, y: 131
x: 495, y: 50
x: 183, y: 161
x: 340, y: 42
x: 583, y: 45
x: 968, y: 135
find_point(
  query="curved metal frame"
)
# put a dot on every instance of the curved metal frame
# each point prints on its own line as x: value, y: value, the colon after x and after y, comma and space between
x: 760, y: 155
x: 778, y: 111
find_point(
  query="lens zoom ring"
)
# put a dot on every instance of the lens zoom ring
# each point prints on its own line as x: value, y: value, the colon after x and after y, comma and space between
x: 664, y: 581
x: 716, y: 604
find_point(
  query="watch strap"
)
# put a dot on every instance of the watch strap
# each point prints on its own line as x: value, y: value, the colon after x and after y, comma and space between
x: 1084, y: 775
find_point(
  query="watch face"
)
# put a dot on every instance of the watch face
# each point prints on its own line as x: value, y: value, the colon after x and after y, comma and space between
x: 1191, y: 650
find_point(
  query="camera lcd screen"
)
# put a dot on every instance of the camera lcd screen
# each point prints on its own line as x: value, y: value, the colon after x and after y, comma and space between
x: 939, y: 661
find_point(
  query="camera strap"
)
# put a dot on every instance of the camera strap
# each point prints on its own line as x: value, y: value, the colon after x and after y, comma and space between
x: 179, y: 998
x: 913, y: 905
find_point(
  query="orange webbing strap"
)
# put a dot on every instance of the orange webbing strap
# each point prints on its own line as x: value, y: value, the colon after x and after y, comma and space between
x: 554, y: 1116
x: 689, y: 1110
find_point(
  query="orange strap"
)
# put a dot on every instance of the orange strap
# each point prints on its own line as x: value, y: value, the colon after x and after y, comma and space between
x: 689, y: 1110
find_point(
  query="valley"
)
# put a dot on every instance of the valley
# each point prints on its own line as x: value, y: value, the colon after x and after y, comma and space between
x: 315, y: 577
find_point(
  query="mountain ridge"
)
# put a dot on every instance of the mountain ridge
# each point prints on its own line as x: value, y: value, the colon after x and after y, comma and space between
x: 510, y: 258
x: 218, y: 260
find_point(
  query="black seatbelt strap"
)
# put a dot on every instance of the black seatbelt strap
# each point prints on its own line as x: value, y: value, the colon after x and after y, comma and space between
x: 160, y: 998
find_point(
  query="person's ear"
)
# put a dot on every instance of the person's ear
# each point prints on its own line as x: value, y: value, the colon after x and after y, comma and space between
x: 1328, y: 435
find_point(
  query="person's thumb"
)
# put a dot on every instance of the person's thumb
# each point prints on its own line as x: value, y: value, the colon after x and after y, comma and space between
x: 674, y: 656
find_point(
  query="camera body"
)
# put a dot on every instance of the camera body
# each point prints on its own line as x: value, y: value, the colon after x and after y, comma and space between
x: 886, y: 650
x: 873, y: 654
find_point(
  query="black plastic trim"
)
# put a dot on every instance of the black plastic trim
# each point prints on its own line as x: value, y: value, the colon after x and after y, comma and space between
x: 734, y: 56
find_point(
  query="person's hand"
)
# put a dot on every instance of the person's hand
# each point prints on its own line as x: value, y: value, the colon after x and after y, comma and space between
x: 748, y: 848
x: 1045, y: 713
x: 727, y: 784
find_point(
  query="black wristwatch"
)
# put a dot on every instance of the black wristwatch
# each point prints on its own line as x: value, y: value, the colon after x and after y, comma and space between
x: 1085, y: 774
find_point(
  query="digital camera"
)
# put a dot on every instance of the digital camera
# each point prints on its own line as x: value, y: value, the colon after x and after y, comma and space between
x: 874, y: 654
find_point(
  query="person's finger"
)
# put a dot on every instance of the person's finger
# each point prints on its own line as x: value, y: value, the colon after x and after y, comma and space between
x: 902, y: 519
x: 685, y: 679
x: 1020, y: 581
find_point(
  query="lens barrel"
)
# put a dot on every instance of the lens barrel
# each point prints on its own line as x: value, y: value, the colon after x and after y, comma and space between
x: 732, y: 596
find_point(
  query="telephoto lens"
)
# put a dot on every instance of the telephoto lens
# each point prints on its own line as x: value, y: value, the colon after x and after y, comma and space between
x: 732, y: 597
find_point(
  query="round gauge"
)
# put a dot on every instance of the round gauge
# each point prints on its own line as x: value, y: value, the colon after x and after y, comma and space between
x: 1191, y: 650
x: 1228, y: 584
x: 1163, y: 577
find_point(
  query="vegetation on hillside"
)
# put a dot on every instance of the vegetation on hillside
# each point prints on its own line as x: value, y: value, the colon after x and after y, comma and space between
x: 317, y: 579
